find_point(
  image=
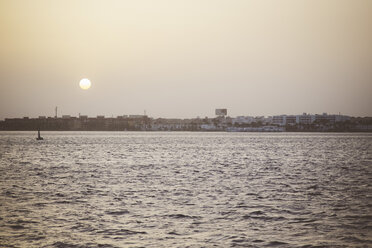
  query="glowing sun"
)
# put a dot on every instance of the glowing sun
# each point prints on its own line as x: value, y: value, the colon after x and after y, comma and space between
x: 85, y: 83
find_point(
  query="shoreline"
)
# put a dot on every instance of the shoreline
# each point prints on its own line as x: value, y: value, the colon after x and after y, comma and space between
x: 188, y: 131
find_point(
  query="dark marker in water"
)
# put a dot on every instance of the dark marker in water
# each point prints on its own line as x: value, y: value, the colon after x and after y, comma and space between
x: 38, y: 135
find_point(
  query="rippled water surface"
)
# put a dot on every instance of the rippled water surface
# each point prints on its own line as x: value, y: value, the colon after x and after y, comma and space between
x: 144, y: 189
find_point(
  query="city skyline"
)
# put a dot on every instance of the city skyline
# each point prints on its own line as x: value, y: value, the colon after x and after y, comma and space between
x: 181, y: 59
x: 221, y: 122
x: 212, y: 114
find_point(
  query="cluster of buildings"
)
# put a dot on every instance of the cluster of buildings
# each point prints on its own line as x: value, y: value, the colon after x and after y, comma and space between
x: 307, y: 119
x: 277, y: 123
x: 307, y: 122
x: 291, y: 120
x: 80, y: 123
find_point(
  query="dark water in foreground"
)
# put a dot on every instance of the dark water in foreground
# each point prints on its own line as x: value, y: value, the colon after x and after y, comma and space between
x: 129, y: 189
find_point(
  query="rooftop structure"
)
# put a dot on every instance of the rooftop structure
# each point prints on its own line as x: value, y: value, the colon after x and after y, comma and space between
x: 221, y: 112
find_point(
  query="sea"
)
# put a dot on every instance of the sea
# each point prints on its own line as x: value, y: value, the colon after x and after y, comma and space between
x: 185, y: 189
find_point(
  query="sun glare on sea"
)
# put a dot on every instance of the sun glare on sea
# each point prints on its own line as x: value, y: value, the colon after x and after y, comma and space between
x: 85, y: 83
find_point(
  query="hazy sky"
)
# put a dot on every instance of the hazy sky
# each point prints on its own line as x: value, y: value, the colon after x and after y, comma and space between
x: 185, y: 58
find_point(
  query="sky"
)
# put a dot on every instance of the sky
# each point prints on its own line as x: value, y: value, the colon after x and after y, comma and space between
x: 183, y: 59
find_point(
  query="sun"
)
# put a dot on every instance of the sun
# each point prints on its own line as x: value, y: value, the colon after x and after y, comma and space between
x: 85, y: 83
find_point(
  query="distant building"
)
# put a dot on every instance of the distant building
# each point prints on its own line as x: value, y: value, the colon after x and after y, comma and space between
x: 221, y: 112
x: 268, y: 120
x: 136, y: 116
x: 291, y: 120
x: 279, y: 120
x: 306, y: 119
x: 243, y: 120
x: 342, y: 118
x: 325, y: 118
x: 259, y: 119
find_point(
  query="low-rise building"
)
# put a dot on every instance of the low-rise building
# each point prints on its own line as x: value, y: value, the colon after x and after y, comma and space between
x: 306, y: 119
x: 291, y: 120
x: 325, y: 118
x: 280, y: 120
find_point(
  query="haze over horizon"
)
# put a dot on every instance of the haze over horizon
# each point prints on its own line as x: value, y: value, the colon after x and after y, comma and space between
x: 183, y: 59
